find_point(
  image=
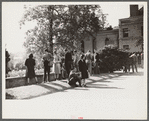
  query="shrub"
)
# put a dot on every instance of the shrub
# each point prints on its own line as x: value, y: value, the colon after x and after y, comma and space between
x: 112, y: 59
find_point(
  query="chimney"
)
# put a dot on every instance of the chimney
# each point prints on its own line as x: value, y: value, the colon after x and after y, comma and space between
x: 134, y: 10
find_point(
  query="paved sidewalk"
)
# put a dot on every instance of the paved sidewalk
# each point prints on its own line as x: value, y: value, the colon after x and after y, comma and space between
x: 36, y: 90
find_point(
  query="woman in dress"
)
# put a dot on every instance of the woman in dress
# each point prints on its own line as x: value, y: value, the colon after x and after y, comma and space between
x: 83, y: 69
x: 30, y: 72
x: 76, y: 59
x: 57, y: 65
x: 88, y: 56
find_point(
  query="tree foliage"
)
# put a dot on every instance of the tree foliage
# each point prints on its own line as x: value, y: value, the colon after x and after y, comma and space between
x: 70, y: 25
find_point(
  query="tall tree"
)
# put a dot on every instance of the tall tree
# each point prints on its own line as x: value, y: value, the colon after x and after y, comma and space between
x: 67, y: 25
x: 79, y: 22
x: 41, y: 36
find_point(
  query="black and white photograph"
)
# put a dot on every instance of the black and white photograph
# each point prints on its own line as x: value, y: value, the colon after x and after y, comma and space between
x: 74, y: 60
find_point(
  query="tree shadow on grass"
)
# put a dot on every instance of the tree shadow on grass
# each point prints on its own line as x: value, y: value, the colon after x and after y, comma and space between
x: 89, y: 85
x: 51, y: 90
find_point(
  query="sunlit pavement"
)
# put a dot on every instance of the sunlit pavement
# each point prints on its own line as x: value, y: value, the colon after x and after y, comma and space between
x: 107, y: 96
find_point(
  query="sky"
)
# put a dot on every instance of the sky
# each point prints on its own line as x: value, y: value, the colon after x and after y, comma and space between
x: 12, y: 12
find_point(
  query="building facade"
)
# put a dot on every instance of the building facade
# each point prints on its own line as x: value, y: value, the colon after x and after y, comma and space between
x: 131, y: 30
x: 103, y: 37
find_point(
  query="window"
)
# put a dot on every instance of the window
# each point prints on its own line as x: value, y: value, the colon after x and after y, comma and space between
x: 126, y: 47
x: 125, y: 32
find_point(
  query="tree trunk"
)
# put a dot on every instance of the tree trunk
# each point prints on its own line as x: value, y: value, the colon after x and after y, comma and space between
x: 51, y: 33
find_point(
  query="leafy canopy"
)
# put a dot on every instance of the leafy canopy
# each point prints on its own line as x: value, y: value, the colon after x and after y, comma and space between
x: 65, y: 25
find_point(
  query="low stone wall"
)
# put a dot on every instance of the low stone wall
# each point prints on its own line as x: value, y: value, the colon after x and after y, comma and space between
x: 22, y: 81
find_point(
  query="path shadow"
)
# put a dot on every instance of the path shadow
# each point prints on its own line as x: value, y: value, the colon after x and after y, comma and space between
x: 59, y: 85
x: 50, y: 88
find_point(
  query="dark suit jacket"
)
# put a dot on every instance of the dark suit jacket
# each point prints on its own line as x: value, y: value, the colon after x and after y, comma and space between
x: 68, y: 57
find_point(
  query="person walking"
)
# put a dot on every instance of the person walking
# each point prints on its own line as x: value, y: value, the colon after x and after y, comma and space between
x: 30, y: 72
x: 48, y: 62
x: 57, y: 65
x: 83, y: 69
x: 68, y: 61
x: 88, y: 57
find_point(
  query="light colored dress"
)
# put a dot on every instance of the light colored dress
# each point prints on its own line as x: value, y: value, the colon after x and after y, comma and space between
x: 76, y: 60
x: 56, y: 64
x: 89, y: 62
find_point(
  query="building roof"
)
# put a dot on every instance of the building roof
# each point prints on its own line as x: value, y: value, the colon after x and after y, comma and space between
x: 108, y: 31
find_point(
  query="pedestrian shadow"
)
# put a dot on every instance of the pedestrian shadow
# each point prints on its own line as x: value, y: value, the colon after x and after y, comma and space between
x: 63, y: 87
x: 102, y: 78
x: 49, y: 86
x: 101, y: 86
x: 109, y: 75
x: 80, y: 88
x: 135, y: 74
x: 96, y: 86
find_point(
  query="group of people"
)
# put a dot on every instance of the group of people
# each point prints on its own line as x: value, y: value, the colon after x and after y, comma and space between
x: 131, y: 62
x: 74, y: 66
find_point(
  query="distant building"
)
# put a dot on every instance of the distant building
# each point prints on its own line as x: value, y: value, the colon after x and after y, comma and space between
x: 103, y: 37
x: 131, y: 30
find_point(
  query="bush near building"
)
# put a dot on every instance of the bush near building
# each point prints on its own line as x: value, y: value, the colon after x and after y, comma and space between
x: 112, y: 59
